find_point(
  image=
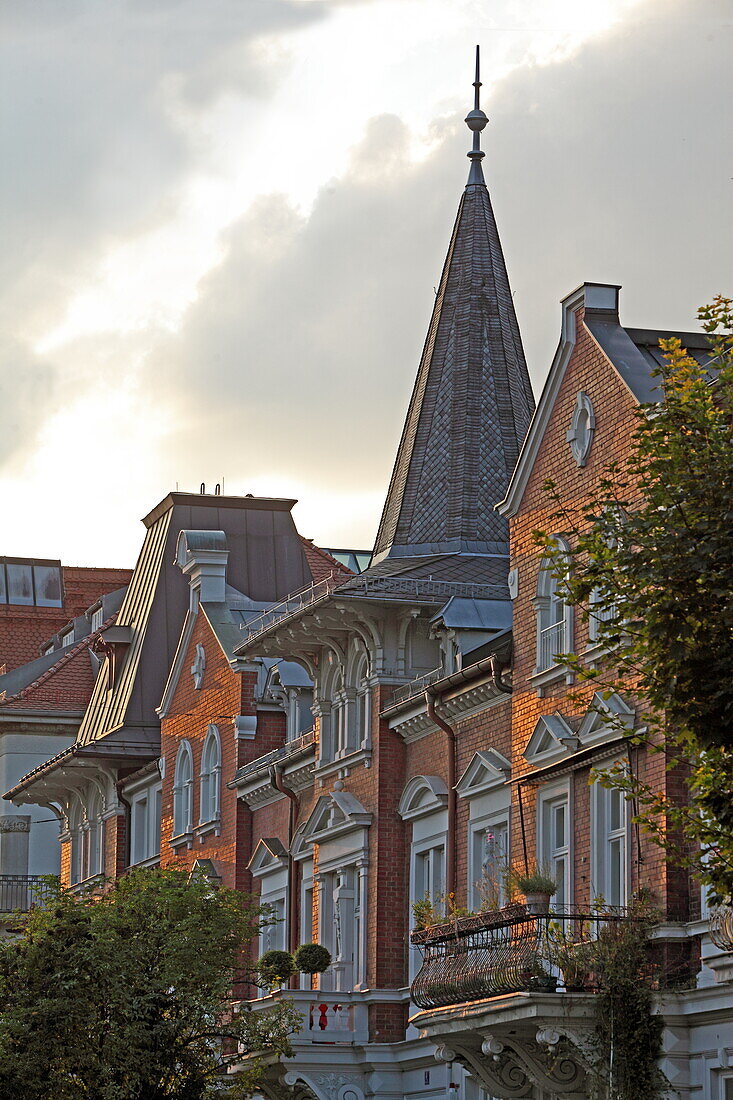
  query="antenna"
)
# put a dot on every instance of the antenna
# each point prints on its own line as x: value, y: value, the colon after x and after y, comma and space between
x: 202, y: 490
x: 217, y: 490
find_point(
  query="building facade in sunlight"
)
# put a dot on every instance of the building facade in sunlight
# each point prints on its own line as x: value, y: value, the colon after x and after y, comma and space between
x: 350, y: 744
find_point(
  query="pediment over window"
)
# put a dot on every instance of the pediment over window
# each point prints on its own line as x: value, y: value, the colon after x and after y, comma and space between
x: 606, y: 719
x: 334, y: 814
x: 552, y: 739
x: 423, y: 794
x: 269, y: 855
x: 487, y: 770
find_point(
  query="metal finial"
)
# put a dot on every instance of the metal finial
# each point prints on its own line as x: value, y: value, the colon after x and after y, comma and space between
x: 476, y: 120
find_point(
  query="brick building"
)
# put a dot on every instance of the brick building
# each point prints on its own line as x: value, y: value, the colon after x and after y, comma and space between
x: 346, y: 744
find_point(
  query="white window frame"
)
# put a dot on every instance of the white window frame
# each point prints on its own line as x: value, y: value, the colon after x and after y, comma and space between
x: 554, y: 624
x: 210, y: 784
x: 97, y: 619
x: 549, y: 853
x: 604, y: 838
x: 183, y: 797
x: 499, y: 820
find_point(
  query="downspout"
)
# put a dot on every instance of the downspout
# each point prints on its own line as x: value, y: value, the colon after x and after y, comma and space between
x: 499, y: 684
x: 128, y: 826
x: 276, y: 778
x: 450, y: 841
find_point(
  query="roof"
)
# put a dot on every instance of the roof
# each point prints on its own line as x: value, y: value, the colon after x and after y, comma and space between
x: 634, y: 354
x: 470, y: 407
x: 322, y: 564
x: 63, y: 679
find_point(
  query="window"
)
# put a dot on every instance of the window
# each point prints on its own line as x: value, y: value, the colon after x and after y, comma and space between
x: 97, y: 619
x: 210, y: 777
x: 67, y: 638
x: 423, y: 802
x: 145, y: 814
x: 554, y: 840
x: 29, y: 582
x: 183, y: 792
x: 609, y: 844
x: 269, y: 864
x: 582, y: 428
x: 341, y: 925
x: 554, y: 616
x: 489, y: 859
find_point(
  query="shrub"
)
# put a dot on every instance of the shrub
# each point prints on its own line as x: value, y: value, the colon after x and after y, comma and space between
x: 276, y: 967
x: 312, y: 958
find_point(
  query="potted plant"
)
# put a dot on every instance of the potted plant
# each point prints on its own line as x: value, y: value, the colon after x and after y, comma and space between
x: 276, y: 967
x: 536, y: 884
x: 312, y: 958
x: 540, y: 980
x: 573, y: 954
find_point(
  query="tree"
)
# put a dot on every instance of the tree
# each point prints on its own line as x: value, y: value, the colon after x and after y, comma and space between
x: 126, y: 995
x: 652, y: 563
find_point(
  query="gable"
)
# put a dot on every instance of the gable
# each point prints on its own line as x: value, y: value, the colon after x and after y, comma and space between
x: 488, y: 770
x: 551, y: 739
x: 423, y: 794
x: 269, y: 855
x: 605, y: 720
x: 580, y: 365
x: 333, y: 815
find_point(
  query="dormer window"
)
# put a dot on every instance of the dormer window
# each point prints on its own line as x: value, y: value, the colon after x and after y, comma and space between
x: 97, y: 619
x: 67, y: 638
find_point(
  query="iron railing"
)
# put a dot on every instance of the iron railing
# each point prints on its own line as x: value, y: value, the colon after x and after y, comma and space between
x: 364, y: 585
x: 505, y: 951
x: 284, y: 752
x: 19, y: 893
x: 550, y: 642
x: 417, y: 686
x: 721, y: 927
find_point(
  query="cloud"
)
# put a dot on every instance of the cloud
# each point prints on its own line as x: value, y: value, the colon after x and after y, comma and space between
x: 300, y: 351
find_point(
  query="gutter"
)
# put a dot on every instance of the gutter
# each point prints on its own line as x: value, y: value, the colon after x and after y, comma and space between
x: 276, y: 778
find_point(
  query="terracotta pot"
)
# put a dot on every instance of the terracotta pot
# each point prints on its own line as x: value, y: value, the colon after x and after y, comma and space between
x: 537, y: 904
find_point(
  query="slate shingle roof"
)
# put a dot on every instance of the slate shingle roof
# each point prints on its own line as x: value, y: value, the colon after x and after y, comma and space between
x: 471, y: 404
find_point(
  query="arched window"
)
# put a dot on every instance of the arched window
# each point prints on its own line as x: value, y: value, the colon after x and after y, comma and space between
x: 554, y: 615
x: 77, y: 835
x: 183, y: 791
x: 210, y: 777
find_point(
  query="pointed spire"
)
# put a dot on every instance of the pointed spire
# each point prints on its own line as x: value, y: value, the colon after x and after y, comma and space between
x: 472, y: 401
x: 476, y: 121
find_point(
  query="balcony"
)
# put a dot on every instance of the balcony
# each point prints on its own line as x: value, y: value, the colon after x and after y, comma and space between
x: 506, y: 951
x: 19, y: 893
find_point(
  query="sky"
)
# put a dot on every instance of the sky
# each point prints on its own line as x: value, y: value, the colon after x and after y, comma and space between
x: 223, y: 223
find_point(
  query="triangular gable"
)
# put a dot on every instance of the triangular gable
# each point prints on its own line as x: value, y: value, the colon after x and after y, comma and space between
x: 334, y: 814
x: 593, y: 296
x: 552, y: 738
x: 488, y: 769
x: 605, y: 720
x: 269, y: 855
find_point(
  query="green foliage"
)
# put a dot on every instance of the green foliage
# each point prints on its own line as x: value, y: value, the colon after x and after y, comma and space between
x: 127, y: 996
x: 312, y: 958
x: 652, y: 563
x: 425, y: 913
x: 276, y: 967
x: 536, y: 879
x: 628, y: 1030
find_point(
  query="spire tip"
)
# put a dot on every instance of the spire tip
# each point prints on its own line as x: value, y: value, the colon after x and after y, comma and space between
x: 476, y: 121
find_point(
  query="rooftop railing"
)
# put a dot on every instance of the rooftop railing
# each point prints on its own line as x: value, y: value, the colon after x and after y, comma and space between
x: 506, y: 951
x: 19, y: 893
x: 363, y: 586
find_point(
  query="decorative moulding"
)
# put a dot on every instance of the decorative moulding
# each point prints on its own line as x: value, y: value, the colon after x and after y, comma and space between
x: 582, y: 429
x: 488, y: 769
x: 423, y: 795
x: 552, y: 739
x: 605, y: 719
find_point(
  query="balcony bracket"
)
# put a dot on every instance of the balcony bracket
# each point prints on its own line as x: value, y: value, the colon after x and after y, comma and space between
x: 500, y: 1074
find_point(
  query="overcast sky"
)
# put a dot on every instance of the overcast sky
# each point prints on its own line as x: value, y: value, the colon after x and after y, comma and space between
x: 223, y: 220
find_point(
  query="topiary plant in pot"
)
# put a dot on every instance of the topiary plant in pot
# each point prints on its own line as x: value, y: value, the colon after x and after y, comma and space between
x: 276, y: 967
x: 312, y: 958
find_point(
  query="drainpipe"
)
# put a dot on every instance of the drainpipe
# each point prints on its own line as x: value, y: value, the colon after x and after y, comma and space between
x: 450, y: 843
x: 499, y: 684
x: 276, y: 778
x: 128, y: 828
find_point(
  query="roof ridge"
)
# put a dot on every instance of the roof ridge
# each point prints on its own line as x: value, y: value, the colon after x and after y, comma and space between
x: 81, y: 645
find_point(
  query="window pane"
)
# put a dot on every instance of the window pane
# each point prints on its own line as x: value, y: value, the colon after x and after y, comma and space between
x: 3, y: 590
x: 48, y: 585
x: 20, y: 584
x: 616, y: 810
x: 559, y: 823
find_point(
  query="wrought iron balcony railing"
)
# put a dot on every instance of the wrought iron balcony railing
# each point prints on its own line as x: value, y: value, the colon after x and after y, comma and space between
x: 19, y: 893
x: 721, y: 927
x: 504, y: 952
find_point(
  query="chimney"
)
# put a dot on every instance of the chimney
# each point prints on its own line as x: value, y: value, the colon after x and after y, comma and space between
x: 202, y: 557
